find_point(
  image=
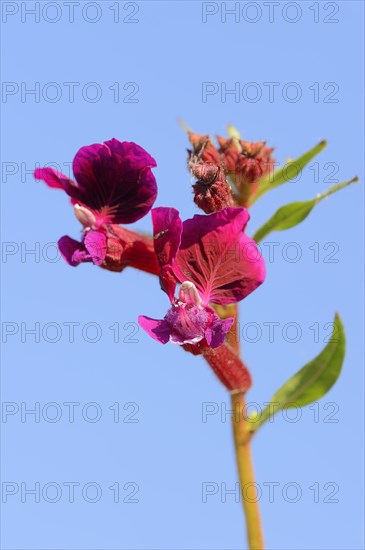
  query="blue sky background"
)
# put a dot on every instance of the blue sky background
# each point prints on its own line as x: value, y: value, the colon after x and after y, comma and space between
x: 170, y: 452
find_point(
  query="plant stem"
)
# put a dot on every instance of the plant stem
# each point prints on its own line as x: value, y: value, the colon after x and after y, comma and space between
x: 242, y: 445
x: 246, y: 473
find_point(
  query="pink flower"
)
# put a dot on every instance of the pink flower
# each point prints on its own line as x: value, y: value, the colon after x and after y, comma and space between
x: 113, y: 184
x: 214, y: 261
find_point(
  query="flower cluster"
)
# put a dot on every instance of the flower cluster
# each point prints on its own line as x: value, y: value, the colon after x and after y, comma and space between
x: 209, y: 258
x: 206, y: 264
x: 242, y: 162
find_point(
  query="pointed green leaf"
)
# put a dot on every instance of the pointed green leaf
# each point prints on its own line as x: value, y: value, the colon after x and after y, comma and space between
x: 289, y: 171
x: 313, y: 381
x: 295, y: 212
x: 287, y: 216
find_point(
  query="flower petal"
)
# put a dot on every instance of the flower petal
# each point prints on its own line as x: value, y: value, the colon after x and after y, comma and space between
x: 188, y: 323
x: 114, y: 179
x: 96, y: 245
x: 217, y: 332
x: 158, y: 329
x: 224, y: 264
x: 56, y: 180
x: 167, y: 230
x: 73, y: 252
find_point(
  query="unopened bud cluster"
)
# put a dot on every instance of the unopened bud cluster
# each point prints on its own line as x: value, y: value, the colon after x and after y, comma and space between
x: 212, y: 192
x: 244, y: 163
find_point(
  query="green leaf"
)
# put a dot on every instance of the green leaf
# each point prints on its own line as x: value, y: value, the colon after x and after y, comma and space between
x: 295, y: 212
x: 287, y: 216
x: 312, y: 382
x: 289, y: 171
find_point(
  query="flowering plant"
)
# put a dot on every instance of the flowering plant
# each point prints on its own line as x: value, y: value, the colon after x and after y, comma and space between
x: 206, y: 264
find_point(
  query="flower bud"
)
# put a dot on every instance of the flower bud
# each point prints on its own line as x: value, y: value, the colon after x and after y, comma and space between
x: 203, y: 149
x: 244, y: 162
x: 211, y: 192
x: 267, y: 160
x: 251, y: 148
x: 248, y: 170
x: 206, y: 172
x: 229, y: 151
x: 248, y: 174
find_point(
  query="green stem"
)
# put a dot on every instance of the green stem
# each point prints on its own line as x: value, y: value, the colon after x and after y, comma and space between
x: 242, y: 442
x: 246, y: 472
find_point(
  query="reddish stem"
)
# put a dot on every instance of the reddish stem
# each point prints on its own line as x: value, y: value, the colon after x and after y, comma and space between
x: 229, y: 368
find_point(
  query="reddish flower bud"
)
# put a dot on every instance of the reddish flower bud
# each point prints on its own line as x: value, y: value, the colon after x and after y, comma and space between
x: 248, y: 173
x: 248, y: 170
x: 230, y: 159
x: 251, y: 148
x: 205, y: 172
x: 203, y: 149
x: 224, y: 143
x: 229, y: 152
x: 214, y: 197
x: 197, y: 140
x: 212, y: 192
x: 245, y: 162
x: 260, y: 152
x: 267, y: 161
x: 247, y: 166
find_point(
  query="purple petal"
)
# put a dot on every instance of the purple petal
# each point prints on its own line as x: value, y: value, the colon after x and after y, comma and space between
x: 137, y: 158
x: 188, y: 323
x: 217, y: 332
x: 115, y: 179
x: 73, y: 252
x: 96, y: 245
x: 158, y: 329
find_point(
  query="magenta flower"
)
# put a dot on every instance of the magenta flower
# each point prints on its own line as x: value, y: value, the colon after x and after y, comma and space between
x: 113, y: 184
x: 214, y: 261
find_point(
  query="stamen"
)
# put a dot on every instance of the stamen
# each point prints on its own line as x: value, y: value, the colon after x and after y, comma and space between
x: 189, y: 294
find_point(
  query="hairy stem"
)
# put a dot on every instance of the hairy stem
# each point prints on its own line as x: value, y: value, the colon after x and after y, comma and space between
x: 228, y: 367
